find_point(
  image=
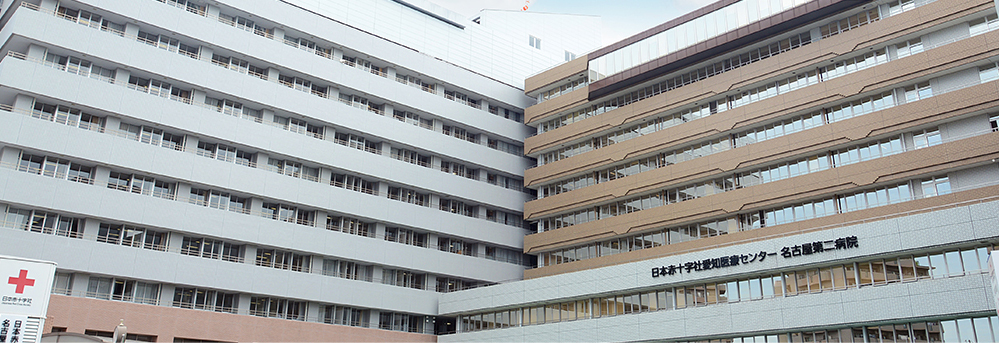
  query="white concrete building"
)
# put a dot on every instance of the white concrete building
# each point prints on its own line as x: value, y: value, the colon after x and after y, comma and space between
x: 194, y: 165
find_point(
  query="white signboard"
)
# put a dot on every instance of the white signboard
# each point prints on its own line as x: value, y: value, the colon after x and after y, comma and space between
x: 994, y: 276
x: 25, y: 286
x: 12, y: 328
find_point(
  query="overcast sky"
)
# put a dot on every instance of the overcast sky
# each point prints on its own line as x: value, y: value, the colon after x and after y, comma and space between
x: 621, y: 18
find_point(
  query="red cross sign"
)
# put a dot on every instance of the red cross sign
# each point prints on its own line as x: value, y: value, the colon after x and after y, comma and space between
x: 21, y: 281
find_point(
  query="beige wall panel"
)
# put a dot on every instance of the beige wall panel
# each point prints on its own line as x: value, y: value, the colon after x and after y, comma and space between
x: 818, y: 53
x: 927, y: 204
x: 890, y: 169
x: 556, y: 74
x: 810, y: 142
x: 899, y: 72
x: 560, y: 104
x: 166, y: 323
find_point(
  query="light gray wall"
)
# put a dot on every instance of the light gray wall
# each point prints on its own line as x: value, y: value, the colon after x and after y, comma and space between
x: 964, y: 224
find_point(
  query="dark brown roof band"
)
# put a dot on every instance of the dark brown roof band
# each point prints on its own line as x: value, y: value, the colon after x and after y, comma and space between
x: 774, y: 25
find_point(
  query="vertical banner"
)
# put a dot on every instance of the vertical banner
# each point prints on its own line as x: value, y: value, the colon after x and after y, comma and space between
x: 12, y: 328
x: 993, y: 275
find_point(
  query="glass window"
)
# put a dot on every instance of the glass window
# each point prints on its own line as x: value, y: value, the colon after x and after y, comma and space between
x: 954, y: 265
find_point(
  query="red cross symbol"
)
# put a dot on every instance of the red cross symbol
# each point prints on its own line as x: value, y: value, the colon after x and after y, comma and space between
x: 20, y: 281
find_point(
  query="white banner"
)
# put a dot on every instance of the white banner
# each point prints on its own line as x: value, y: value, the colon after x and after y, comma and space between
x: 12, y: 328
x: 25, y: 286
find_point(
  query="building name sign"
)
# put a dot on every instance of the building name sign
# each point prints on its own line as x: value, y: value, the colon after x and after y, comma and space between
x: 25, y: 287
x: 755, y: 257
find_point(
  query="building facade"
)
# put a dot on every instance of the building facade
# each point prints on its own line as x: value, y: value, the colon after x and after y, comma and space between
x: 763, y: 171
x: 263, y: 170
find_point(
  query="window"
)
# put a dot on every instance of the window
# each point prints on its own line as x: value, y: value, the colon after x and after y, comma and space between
x: 53, y: 167
x: 334, y: 314
x: 918, y: 92
x: 456, y: 246
x: 403, y: 278
x: 346, y: 270
x: 445, y: 285
x: 43, y: 222
x: 348, y: 225
x: 131, y: 236
x: 569, y: 56
x: 408, y: 195
x: 123, y: 290
x: 535, y: 42
x: 910, y: 48
x: 205, y: 299
x: 212, y: 248
x: 981, y: 25
x: 353, y: 183
x: 989, y: 72
x: 405, y: 236
x: 115, y: 28
x: 936, y: 186
x: 926, y: 138
x: 283, y: 260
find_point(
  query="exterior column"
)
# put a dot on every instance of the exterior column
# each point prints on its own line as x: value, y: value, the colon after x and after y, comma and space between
x: 278, y: 34
x: 175, y: 241
x: 388, y: 109
x: 377, y: 274
x: 273, y: 74
x: 131, y: 30
x: 380, y: 230
x: 198, y: 96
x: 243, y: 306
x: 80, y: 284
x: 432, y: 240
x: 249, y: 255
x: 390, y: 71
x: 256, y: 206
x: 112, y: 123
x: 48, y: 5
x: 268, y: 115
x: 205, y: 53
x: 329, y: 133
x: 325, y: 175
x: 166, y: 294
x: 183, y: 191
x: 24, y: 103
x: 320, y: 223
x: 431, y: 282
x: 10, y: 155
x: 101, y: 175
x: 316, y: 262
x: 262, y: 160
x: 91, y: 227
x: 213, y: 11
x: 439, y: 89
x: 816, y: 34
x: 121, y: 76
x: 36, y: 52
x: 435, y: 201
x: 191, y: 143
x: 375, y: 317
x: 312, y: 312
x: 386, y: 149
x: 337, y: 54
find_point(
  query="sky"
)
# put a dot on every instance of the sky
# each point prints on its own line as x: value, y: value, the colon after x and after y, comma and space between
x: 621, y: 18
